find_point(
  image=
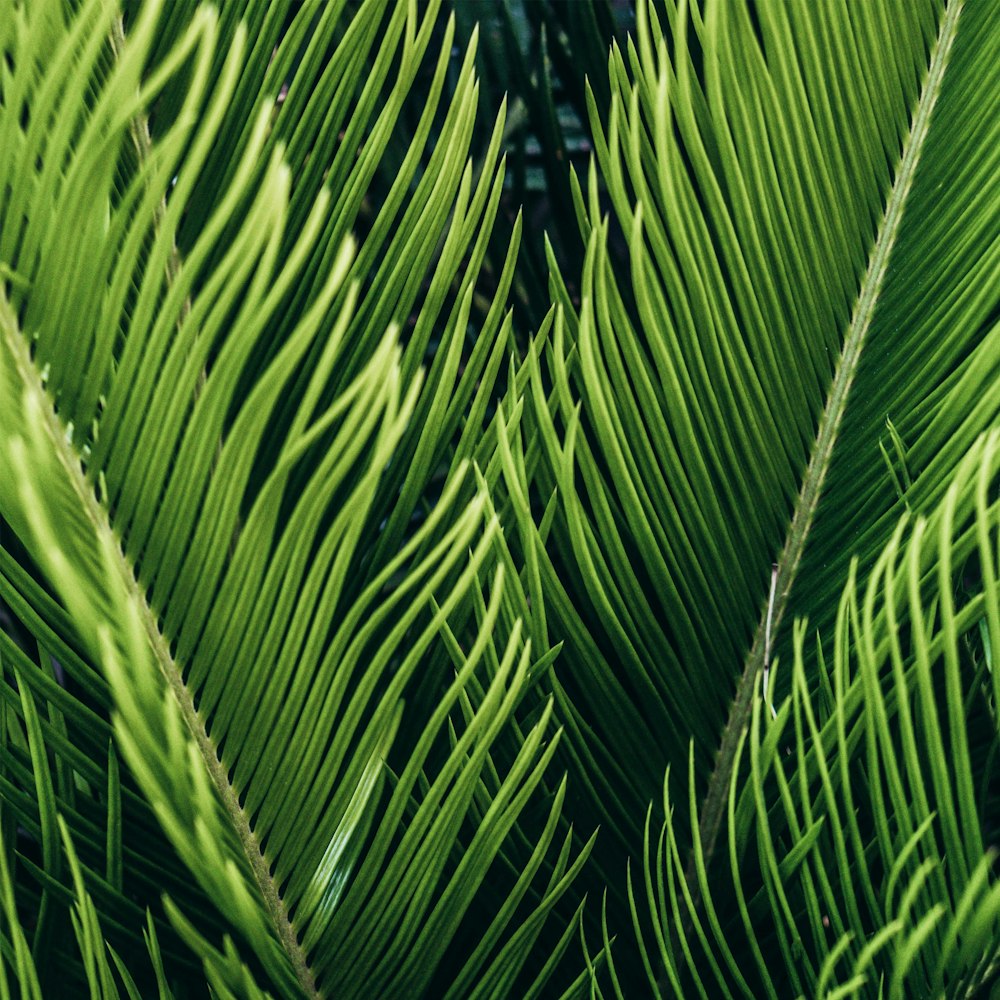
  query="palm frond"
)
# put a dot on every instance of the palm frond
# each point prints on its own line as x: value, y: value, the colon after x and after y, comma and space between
x: 709, y: 417
x: 214, y: 447
x: 860, y: 825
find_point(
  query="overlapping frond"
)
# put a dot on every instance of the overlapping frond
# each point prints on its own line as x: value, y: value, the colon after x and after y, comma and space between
x: 701, y: 391
x: 860, y: 843
x: 310, y: 571
x: 101, y: 969
x: 806, y: 256
x: 218, y: 448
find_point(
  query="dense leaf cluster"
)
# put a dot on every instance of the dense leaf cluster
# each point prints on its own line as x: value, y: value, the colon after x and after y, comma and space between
x: 388, y: 610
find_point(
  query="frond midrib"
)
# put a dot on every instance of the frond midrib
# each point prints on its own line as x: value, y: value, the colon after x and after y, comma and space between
x: 99, y: 520
x: 713, y: 808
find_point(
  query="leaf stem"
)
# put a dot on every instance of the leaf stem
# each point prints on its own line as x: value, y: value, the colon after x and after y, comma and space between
x: 143, y: 143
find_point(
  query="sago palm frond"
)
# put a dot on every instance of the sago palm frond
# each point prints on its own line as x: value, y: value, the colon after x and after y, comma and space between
x: 861, y: 820
x: 217, y: 449
x: 801, y: 350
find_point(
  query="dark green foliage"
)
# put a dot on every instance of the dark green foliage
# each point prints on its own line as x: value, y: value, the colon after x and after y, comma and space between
x: 486, y: 518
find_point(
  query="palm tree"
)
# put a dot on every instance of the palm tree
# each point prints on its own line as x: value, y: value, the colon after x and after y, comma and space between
x: 355, y: 643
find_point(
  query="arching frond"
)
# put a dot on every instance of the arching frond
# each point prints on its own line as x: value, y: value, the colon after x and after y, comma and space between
x: 807, y: 256
x: 860, y: 820
x: 215, y: 443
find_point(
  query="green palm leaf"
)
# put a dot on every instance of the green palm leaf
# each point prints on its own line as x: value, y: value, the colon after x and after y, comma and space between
x: 859, y: 833
x: 215, y: 449
x: 711, y: 418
